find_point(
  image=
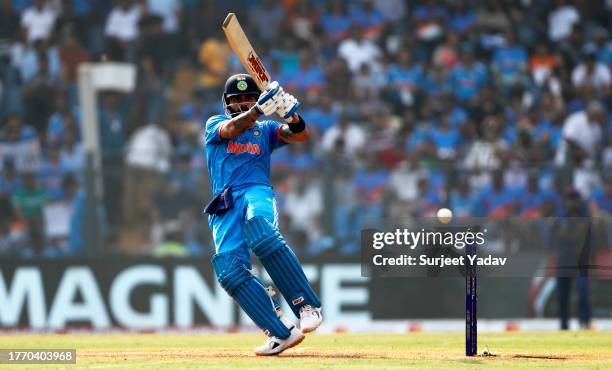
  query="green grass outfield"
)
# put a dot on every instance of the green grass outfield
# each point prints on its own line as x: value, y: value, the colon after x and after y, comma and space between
x: 576, y: 350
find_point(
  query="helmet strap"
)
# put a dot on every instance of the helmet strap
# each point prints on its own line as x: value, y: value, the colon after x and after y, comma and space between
x: 235, y: 109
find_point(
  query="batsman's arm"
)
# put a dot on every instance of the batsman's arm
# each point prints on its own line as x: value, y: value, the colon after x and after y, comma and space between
x: 238, y: 125
x: 294, y: 131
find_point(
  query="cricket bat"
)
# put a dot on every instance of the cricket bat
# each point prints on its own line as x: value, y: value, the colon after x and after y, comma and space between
x: 244, y: 51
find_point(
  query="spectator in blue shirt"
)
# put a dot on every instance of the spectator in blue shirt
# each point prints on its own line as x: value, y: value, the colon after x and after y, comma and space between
x: 311, y: 76
x: 113, y: 128
x: 51, y: 172
x: 418, y: 139
x: 547, y: 135
x: 462, y: 201
x: 370, y: 184
x: 463, y: 18
x: 62, y: 119
x: 509, y: 63
x: 430, y: 11
x: 468, y: 77
x: 446, y: 139
x: 436, y: 82
x: 428, y: 200
x: 288, y: 57
x: 532, y: 199
x: 302, y: 158
x: 14, y: 129
x: 284, y: 78
x: 19, y: 6
x: 601, y: 200
x: 404, y: 80
x: 335, y: 20
x: 436, y: 180
x: 405, y: 74
x: 193, y: 110
x: 319, y: 114
x: 281, y: 163
x: 10, y: 180
x: 19, y: 142
x: 29, y: 67
x: 604, y: 46
x: 181, y: 174
x: 370, y: 18
x: 457, y: 116
x: 72, y: 154
x: 496, y: 201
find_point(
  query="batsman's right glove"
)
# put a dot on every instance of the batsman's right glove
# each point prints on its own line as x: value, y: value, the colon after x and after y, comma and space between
x: 287, y: 105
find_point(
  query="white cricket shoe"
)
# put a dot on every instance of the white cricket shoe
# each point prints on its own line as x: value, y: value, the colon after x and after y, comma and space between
x: 274, y: 345
x: 310, y: 318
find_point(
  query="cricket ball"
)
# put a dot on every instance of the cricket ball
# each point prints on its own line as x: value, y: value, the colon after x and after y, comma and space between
x: 444, y: 215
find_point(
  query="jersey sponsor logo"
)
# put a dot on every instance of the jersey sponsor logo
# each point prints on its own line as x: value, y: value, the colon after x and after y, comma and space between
x: 239, y: 148
x: 297, y: 301
x: 257, y: 67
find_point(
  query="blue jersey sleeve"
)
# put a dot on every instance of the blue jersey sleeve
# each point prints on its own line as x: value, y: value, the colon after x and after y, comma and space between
x: 212, y: 129
x: 274, y: 137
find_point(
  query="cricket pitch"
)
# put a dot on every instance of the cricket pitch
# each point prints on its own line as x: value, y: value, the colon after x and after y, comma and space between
x: 582, y: 349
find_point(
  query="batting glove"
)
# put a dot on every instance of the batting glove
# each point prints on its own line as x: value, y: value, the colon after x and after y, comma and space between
x: 287, y: 105
x: 268, y: 101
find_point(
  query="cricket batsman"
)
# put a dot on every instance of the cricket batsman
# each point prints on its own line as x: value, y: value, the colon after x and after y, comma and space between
x: 243, y: 215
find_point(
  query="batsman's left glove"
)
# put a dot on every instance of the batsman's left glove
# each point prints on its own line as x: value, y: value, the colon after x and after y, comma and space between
x: 268, y: 101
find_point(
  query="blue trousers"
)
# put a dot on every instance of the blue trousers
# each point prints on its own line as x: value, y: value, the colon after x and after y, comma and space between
x: 226, y: 228
x: 252, y: 224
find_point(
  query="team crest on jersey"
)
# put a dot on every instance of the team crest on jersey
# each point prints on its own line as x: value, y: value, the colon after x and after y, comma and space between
x: 256, y: 132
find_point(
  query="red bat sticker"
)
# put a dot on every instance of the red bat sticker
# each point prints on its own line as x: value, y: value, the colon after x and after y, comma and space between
x: 257, y: 67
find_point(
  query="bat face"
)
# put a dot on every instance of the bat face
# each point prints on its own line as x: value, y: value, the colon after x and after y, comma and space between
x: 258, y: 69
x: 244, y: 51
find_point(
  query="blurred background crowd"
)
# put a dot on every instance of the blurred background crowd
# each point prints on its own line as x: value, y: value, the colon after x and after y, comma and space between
x: 493, y: 108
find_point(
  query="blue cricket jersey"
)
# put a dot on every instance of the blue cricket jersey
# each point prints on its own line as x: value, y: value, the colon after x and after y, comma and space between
x: 243, y: 160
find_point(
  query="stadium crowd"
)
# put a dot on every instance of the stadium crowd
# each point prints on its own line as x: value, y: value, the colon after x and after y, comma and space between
x: 493, y: 108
